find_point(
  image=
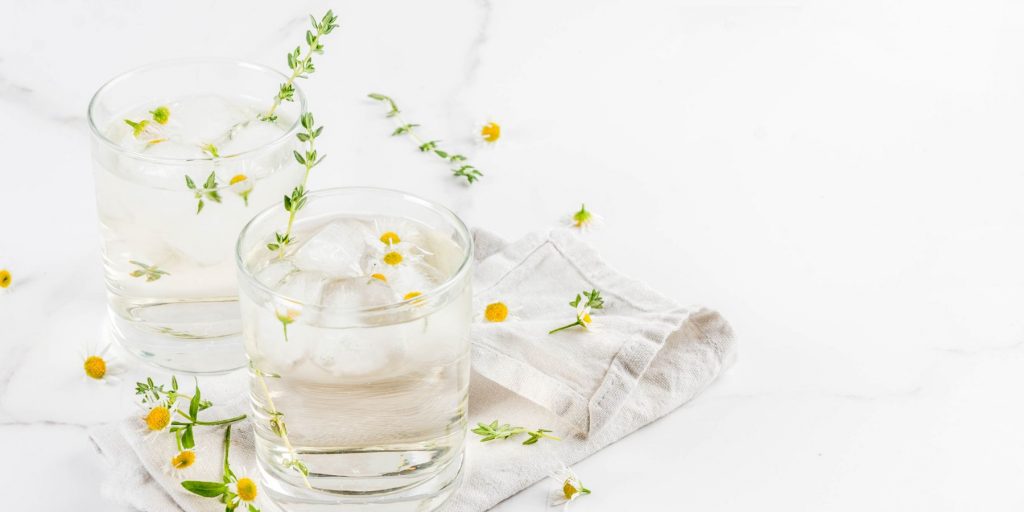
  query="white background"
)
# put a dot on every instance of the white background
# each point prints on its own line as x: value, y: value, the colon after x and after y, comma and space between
x: 841, y: 180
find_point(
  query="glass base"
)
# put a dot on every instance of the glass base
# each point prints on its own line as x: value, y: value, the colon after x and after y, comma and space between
x: 424, y: 496
x: 201, y: 351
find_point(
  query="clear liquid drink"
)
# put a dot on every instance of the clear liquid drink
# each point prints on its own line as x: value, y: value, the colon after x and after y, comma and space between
x: 182, y: 161
x: 358, y: 340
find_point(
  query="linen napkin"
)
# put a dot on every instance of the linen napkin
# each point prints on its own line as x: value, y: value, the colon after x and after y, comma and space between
x: 645, y: 357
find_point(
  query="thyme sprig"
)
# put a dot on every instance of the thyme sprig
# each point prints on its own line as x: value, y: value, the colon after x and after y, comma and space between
x: 207, y: 191
x: 494, y: 430
x: 277, y: 426
x: 463, y: 169
x: 294, y: 202
x: 583, y: 309
x: 302, y: 65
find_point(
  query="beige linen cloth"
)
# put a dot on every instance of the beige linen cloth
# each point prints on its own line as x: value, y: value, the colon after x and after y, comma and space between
x: 645, y: 357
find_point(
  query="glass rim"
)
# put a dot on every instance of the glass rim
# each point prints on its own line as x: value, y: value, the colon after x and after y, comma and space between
x: 439, y: 290
x: 99, y: 135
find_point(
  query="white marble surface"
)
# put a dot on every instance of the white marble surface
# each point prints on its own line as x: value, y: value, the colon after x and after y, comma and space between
x: 841, y: 179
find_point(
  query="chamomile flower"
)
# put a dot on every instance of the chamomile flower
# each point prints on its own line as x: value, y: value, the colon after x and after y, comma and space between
x: 584, y: 219
x: 568, y: 488
x: 286, y: 314
x: 241, y: 185
x: 100, y: 366
x: 161, y: 114
x: 411, y: 296
x: 245, y: 488
x: 487, y: 132
x: 584, y: 309
x: 497, y: 312
x: 182, y: 461
x: 5, y: 278
x: 398, y: 255
x: 157, y: 419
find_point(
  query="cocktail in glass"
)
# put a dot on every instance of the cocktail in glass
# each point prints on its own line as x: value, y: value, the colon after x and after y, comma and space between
x: 183, y: 158
x: 358, y: 341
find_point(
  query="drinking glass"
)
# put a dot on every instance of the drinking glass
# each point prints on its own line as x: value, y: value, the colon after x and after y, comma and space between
x: 358, y: 342
x: 182, y: 160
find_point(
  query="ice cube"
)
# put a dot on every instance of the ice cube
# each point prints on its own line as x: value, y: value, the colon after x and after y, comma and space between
x: 416, y: 276
x: 335, y: 249
x: 275, y: 272
x: 170, y: 148
x: 251, y: 135
x: 362, y: 354
x: 357, y: 292
x: 205, y: 118
x: 303, y: 286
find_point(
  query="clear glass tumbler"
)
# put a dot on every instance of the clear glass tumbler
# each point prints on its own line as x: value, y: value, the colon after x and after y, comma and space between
x: 358, y: 343
x: 182, y: 160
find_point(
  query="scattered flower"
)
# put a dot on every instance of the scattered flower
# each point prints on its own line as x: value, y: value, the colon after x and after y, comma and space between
x: 98, y: 366
x: 583, y: 310
x: 488, y: 132
x: 496, y: 312
x: 241, y: 185
x: 584, y: 219
x: 5, y: 278
x: 568, y: 489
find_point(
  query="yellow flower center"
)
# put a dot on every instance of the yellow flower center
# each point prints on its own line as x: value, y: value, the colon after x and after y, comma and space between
x: 237, y: 178
x: 158, y: 418
x: 95, y: 367
x: 569, y: 490
x: 586, y: 318
x: 5, y: 278
x: 183, y: 459
x: 411, y: 295
x: 246, y: 489
x: 490, y: 132
x: 496, y: 312
x: 390, y: 238
x: 393, y: 258
x: 381, y: 277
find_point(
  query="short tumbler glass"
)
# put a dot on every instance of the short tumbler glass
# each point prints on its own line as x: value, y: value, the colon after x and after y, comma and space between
x: 169, y: 269
x: 359, y: 362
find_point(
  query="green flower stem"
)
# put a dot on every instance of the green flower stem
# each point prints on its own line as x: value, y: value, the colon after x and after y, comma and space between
x: 564, y: 327
x: 227, y: 448
x: 225, y: 421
